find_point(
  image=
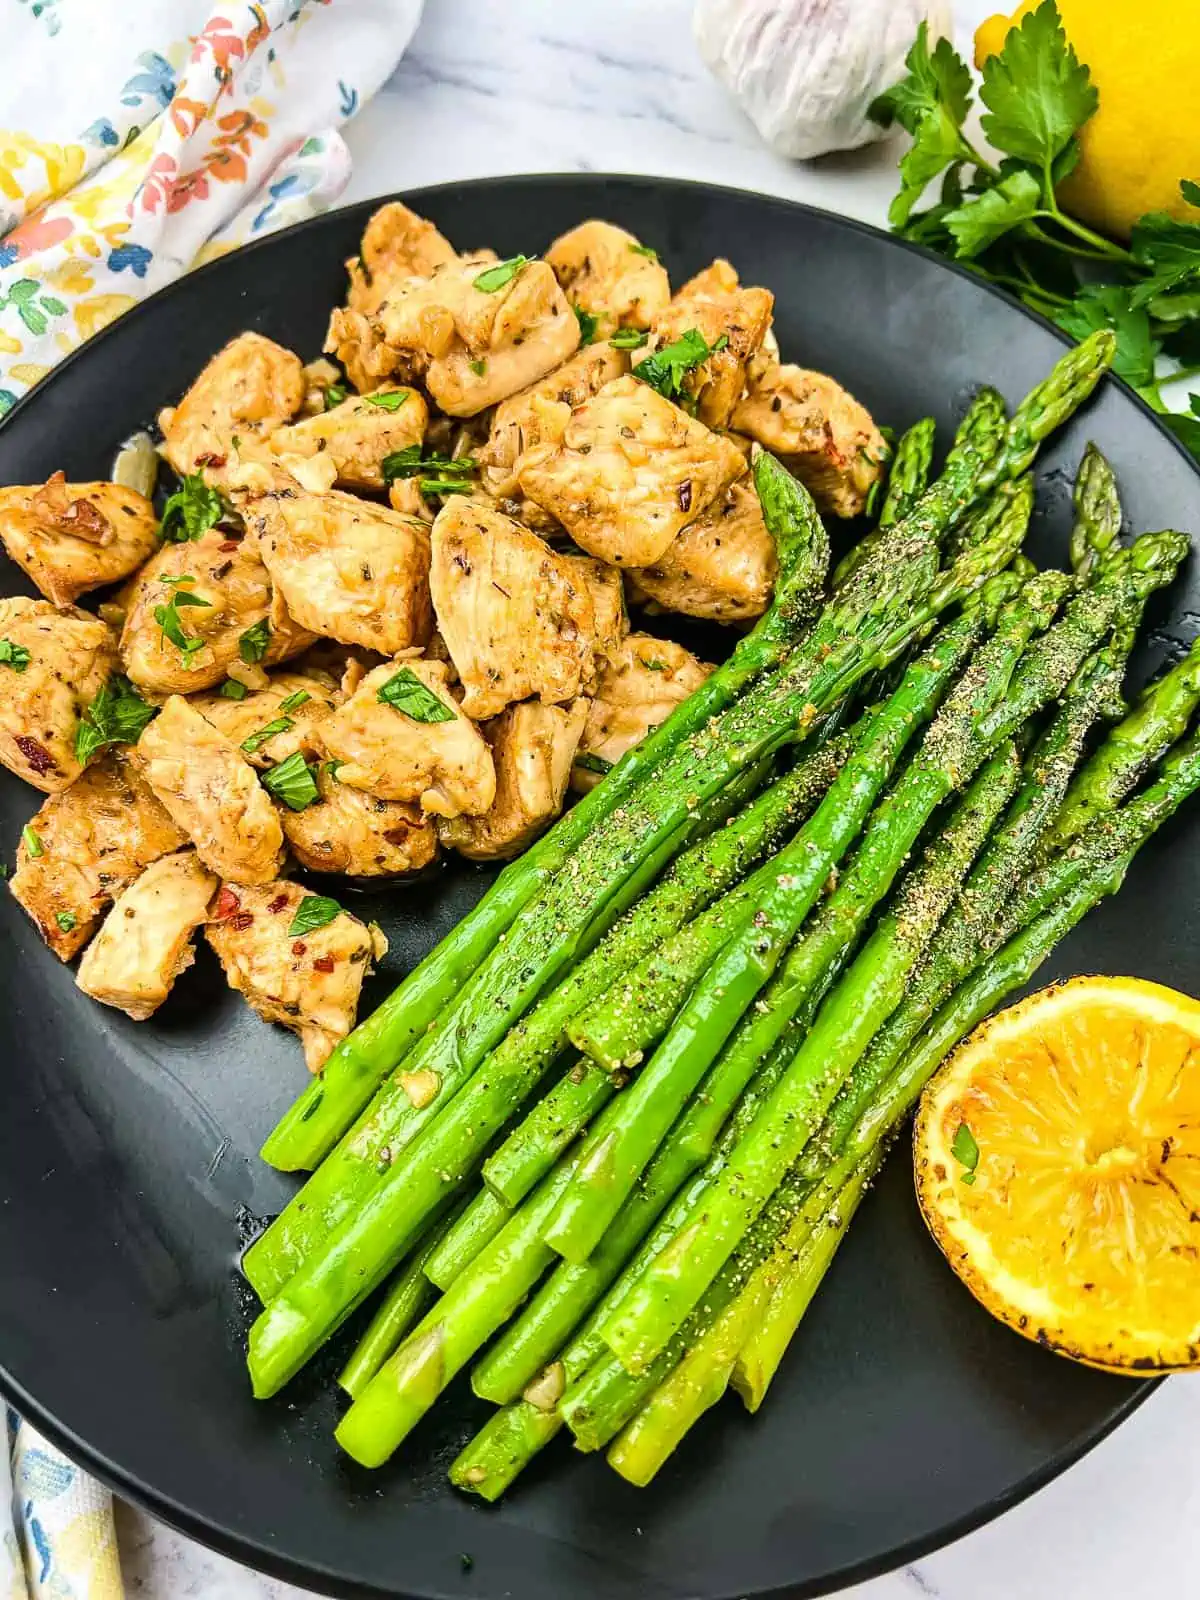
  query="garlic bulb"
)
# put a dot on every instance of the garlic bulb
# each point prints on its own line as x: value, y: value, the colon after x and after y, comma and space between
x: 805, y: 71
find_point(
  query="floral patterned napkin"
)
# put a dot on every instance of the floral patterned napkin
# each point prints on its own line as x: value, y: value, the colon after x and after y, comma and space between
x: 139, y: 138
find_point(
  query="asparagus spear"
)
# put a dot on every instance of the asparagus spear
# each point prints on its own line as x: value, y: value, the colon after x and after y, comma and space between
x: 406, y: 1298
x: 1097, y: 526
x: 907, y: 481
x: 308, y: 1130
x: 476, y: 1225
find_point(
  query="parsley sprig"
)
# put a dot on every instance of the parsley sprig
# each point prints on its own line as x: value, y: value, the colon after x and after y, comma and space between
x: 437, y: 474
x: 1004, y: 220
x: 168, y: 618
x: 193, y: 509
x: 667, y: 369
x: 117, y: 715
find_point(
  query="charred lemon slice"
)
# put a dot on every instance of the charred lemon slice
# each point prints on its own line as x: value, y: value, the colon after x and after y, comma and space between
x: 1058, y: 1167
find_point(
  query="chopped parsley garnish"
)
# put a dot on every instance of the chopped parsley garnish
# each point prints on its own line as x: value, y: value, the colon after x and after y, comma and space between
x: 314, y: 911
x: 171, y: 623
x: 478, y: 367
x: 655, y: 666
x: 405, y: 692
x: 335, y: 393
x: 193, y: 509
x: 587, y: 324
x: 67, y: 921
x: 966, y: 1152
x: 644, y: 250
x: 667, y: 368
x: 407, y: 463
x: 431, y: 486
x: 493, y: 278
x: 33, y: 845
x: 117, y: 715
x: 332, y: 767
x: 294, y: 702
x: 391, y: 400
x: 627, y: 339
x: 293, y: 781
x: 231, y: 689
x: 257, y: 740
x: 591, y: 763
x: 255, y: 642
x: 14, y: 655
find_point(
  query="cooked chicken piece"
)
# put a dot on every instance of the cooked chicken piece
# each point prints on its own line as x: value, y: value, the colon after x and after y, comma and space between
x: 716, y: 306
x: 819, y: 432
x: 356, y: 435
x: 299, y: 699
x: 146, y: 940
x: 362, y: 350
x: 473, y: 347
x: 433, y: 756
x: 517, y: 619
x: 211, y: 791
x: 533, y: 747
x: 358, y: 834
x: 608, y: 601
x: 229, y: 575
x: 396, y: 244
x: 634, y: 695
x: 309, y: 981
x: 609, y: 275
x: 246, y: 391
x: 72, y: 537
x: 627, y: 470
x: 404, y: 496
x: 721, y: 567
x: 83, y: 847
x: 54, y: 664
x: 516, y: 425
x: 319, y: 377
x: 357, y: 572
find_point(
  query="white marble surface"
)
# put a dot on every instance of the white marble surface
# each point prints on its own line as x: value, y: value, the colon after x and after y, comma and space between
x: 508, y: 86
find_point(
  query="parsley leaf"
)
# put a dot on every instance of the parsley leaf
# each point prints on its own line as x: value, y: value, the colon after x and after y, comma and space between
x: 193, y: 509
x: 335, y: 393
x: 255, y: 642
x: 268, y: 731
x: 171, y: 623
x: 985, y: 217
x: 1110, y: 305
x: 117, y: 715
x: 644, y: 250
x: 293, y: 781
x: 494, y: 278
x: 478, y: 367
x: 33, y: 845
x: 389, y: 400
x: 1037, y: 93
x: 67, y: 921
x: 14, y: 655
x: 294, y: 702
x: 627, y: 339
x: 232, y: 689
x: 407, y: 463
x: 966, y: 1152
x: 405, y: 692
x: 1170, y: 250
x: 314, y: 911
x: 1187, y: 428
x: 591, y: 763
x: 667, y: 368
x: 936, y: 80
x: 587, y: 324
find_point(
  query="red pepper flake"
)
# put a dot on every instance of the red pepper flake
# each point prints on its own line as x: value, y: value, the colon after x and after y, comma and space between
x: 324, y: 964
x: 299, y: 947
x: 210, y: 459
x: 684, y: 495
x: 38, y: 757
x: 231, y: 544
x: 227, y: 902
x: 279, y: 903
x: 241, y: 921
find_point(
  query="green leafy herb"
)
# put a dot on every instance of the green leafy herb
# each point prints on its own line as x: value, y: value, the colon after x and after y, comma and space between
x: 478, y: 367
x: 1036, y: 92
x: 293, y: 781
x: 587, y: 325
x: 644, y: 250
x: 390, y: 400
x: 966, y: 1152
x: 33, y: 845
x: 14, y: 655
x: 332, y: 767
x: 67, y: 921
x: 431, y: 486
x: 628, y: 339
x: 667, y: 368
x: 231, y: 689
x: 314, y: 911
x: 405, y: 692
x: 117, y: 715
x: 407, y: 463
x: 294, y: 702
x: 255, y: 642
x: 335, y: 393
x: 171, y: 623
x: 494, y: 278
x: 257, y: 740
x: 655, y: 666
x: 191, y: 510
x: 591, y: 763
x: 986, y: 217
x: 1109, y: 305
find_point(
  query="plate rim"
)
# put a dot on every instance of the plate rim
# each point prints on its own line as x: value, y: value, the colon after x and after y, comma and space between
x: 246, y: 1548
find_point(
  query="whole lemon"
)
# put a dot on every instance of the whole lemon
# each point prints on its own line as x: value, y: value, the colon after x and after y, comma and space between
x: 1146, y: 135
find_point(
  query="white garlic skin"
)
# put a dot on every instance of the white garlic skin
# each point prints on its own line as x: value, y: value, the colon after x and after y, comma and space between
x: 805, y: 71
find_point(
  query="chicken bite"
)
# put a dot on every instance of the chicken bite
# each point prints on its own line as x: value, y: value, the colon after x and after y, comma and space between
x: 715, y: 305
x: 53, y: 664
x: 72, y: 537
x: 146, y: 940
x: 396, y: 244
x: 357, y: 435
x: 210, y: 790
x: 270, y: 724
x: 307, y: 977
x: 604, y: 585
x: 241, y: 617
x: 610, y: 275
x: 819, y: 432
x: 627, y: 471
x: 356, y: 834
x: 533, y: 747
x: 84, y: 847
x: 402, y: 736
x: 248, y: 389
x: 517, y: 619
x: 721, y: 567
x: 634, y: 695
x: 356, y: 572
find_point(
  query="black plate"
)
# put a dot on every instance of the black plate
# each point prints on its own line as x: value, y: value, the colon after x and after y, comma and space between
x: 904, y: 1415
